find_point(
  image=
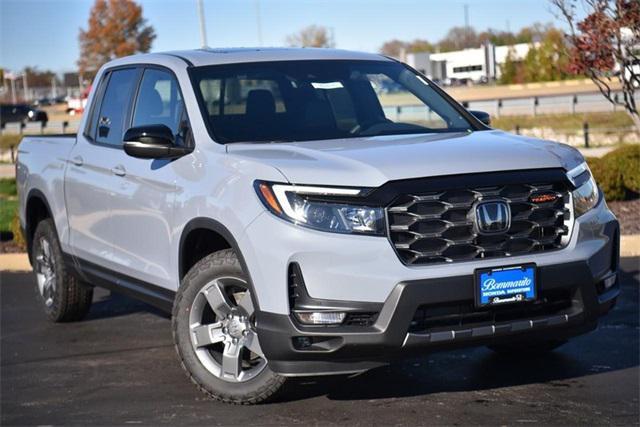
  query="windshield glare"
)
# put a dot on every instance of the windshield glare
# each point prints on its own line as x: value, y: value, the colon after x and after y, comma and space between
x: 313, y: 100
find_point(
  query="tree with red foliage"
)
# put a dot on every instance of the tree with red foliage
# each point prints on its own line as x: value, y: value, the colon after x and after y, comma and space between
x: 605, y: 46
x: 116, y: 28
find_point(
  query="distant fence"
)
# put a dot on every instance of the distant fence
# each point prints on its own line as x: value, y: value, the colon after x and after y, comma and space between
x: 525, y: 106
x: 584, y: 137
x: 550, y: 104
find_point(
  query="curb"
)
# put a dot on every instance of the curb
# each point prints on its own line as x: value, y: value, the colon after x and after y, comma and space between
x: 629, y: 247
x: 14, y: 262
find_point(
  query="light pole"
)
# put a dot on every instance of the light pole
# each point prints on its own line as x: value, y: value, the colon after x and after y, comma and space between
x: 14, y: 98
x: 203, y: 30
x: 258, y: 23
x: 25, y: 86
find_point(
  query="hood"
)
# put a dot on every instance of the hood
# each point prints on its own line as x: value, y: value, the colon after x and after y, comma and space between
x: 372, y: 161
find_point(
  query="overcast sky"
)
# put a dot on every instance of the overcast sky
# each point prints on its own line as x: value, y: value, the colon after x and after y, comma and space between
x: 44, y: 33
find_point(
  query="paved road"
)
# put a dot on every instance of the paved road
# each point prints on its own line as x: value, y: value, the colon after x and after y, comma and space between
x: 119, y: 367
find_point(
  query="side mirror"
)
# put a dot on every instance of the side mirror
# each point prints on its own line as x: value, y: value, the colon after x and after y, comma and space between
x: 152, y: 142
x: 484, y: 117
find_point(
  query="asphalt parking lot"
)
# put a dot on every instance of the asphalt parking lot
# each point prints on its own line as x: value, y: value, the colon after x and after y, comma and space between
x: 119, y: 367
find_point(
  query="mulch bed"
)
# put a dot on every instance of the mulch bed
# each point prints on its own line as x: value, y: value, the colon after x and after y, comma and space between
x: 9, y: 247
x: 628, y: 213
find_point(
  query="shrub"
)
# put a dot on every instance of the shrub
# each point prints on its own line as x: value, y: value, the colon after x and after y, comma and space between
x: 8, y: 187
x: 9, y: 140
x: 618, y: 172
x: 18, y: 237
x: 627, y: 160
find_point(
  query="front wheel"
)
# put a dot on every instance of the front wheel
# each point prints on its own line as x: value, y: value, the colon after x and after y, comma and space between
x: 215, y: 334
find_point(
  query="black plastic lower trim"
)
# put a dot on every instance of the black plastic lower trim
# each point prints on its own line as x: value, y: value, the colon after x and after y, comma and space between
x: 96, y: 275
x: 295, y: 349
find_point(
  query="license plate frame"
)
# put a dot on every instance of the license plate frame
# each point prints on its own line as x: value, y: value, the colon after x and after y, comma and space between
x: 520, y: 285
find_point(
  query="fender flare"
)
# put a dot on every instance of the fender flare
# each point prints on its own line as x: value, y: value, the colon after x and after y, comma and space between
x: 219, y: 228
x: 29, y: 228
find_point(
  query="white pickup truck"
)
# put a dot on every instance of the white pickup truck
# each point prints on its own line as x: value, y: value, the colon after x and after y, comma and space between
x: 296, y: 220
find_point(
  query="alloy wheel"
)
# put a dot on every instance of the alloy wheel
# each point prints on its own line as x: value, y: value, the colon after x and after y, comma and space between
x: 222, y: 330
x: 46, y: 272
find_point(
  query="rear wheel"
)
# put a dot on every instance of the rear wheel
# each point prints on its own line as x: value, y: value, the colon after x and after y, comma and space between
x: 535, y: 348
x: 215, y: 334
x: 63, y: 296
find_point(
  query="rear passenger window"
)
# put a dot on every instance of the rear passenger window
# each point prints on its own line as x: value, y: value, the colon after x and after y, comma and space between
x: 159, y: 101
x: 114, y: 106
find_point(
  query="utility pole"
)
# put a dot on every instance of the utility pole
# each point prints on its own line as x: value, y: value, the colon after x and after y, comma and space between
x: 54, y: 87
x: 25, y: 86
x: 467, y: 33
x: 203, y: 30
x: 258, y: 23
x: 466, y: 16
x: 14, y: 98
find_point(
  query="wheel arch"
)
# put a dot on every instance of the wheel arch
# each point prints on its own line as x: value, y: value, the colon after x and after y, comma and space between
x: 200, y: 227
x: 37, y: 208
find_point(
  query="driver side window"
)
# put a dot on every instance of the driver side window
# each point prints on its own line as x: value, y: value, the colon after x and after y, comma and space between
x: 159, y: 102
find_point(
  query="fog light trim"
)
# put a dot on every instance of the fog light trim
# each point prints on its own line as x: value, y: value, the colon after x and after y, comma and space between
x: 320, y: 317
x: 610, y: 281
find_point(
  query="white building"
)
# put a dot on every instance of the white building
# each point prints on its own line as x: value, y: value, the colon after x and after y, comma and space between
x: 480, y: 64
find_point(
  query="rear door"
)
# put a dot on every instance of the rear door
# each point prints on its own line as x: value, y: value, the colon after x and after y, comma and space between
x: 90, y: 176
x: 144, y: 196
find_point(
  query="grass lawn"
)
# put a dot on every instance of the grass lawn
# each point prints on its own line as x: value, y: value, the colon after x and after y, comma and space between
x: 8, y: 203
x: 8, y: 187
x: 609, y: 120
x: 7, y: 211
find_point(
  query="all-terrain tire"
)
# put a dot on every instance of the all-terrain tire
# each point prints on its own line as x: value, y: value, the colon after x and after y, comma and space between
x: 70, y: 299
x: 258, y: 389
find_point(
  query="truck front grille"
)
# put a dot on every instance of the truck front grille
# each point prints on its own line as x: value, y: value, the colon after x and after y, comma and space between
x: 439, y: 226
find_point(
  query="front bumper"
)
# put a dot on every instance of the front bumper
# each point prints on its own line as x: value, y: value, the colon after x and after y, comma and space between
x: 293, y: 349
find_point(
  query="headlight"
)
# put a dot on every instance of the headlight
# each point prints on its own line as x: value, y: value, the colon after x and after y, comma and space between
x: 321, y: 208
x: 586, y: 195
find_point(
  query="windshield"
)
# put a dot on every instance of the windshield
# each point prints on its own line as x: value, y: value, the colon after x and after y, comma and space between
x: 320, y: 99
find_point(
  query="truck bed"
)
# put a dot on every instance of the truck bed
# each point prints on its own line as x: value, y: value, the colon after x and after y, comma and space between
x: 41, y: 164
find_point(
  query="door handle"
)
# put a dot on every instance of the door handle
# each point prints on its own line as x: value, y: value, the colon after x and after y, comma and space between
x: 77, y: 160
x: 119, y: 170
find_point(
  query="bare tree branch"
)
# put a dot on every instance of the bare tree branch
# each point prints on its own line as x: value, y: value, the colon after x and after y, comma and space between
x: 606, y: 46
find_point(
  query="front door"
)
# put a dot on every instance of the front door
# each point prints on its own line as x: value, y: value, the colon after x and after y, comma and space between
x: 143, y: 199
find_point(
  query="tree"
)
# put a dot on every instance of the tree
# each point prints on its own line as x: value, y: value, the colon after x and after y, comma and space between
x: 509, y: 70
x: 394, y: 48
x: 420, y: 45
x: 552, y: 63
x: 459, y: 38
x: 497, y: 37
x: 311, y: 36
x: 533, y: 33
x: 37, y: 78
x: 606, y: 47
x: 116, y: 28
x: 545, y: 61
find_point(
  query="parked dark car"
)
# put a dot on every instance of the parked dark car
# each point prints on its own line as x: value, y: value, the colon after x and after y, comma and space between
x: 21, y: 113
